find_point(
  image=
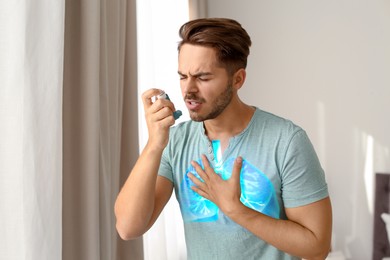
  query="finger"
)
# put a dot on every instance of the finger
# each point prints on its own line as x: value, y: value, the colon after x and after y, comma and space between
x: 208, y: 169
x: 166, y: 98
x: 206, y: 163
x: 199, y: 170
x: 237, y: 168
x: 148, y: 95
x: 201, y: 192
x: 195, y: 180
x: 162, y: 114
x: 167, y: 121
x: 147, y: 99
x: 160, y: 104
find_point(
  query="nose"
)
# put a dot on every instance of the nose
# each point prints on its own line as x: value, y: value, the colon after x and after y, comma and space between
x: 189, y: 85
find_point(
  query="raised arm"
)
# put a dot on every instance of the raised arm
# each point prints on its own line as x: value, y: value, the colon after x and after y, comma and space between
x: 144, y: 194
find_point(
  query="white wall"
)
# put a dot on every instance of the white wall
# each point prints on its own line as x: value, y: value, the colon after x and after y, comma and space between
x: 326, y: 66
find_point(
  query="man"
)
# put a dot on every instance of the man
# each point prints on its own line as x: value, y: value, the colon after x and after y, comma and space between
x: 249, y: 183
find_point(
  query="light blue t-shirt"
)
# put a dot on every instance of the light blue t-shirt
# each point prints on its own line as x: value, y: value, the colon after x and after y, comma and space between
x: 280, y: 170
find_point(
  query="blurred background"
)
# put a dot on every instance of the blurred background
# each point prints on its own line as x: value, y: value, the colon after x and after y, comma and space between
x: 71, y: 122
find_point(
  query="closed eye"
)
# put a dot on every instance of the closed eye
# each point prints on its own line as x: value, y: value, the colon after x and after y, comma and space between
x: 182, y: 76
x: 202, y: 76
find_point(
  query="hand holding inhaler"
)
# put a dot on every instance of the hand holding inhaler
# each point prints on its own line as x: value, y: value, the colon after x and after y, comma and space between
x: 164, y: 95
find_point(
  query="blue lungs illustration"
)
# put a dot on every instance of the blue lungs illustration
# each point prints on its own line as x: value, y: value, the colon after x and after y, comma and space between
x: 257, y: 192
x: 193, y: 206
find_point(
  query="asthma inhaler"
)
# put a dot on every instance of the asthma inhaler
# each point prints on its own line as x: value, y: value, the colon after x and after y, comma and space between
x: 164, y: 95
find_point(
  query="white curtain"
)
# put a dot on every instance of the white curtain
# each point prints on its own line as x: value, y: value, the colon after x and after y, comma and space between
x: 31, y: 61
x: 67, y: 112
x: 158, y: 24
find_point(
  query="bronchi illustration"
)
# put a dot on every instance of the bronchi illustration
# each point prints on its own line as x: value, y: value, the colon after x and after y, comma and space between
x: 257, y: 191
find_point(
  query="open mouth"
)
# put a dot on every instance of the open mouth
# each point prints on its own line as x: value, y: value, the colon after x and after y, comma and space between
x: 193, y: 105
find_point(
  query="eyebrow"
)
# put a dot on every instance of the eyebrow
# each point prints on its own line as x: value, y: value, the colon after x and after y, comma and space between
x: 199, y: 74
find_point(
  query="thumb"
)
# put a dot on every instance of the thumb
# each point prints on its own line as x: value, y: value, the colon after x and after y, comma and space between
x: 237, y: 168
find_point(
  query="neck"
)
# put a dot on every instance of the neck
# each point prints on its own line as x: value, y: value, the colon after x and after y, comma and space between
x: 232, y: 121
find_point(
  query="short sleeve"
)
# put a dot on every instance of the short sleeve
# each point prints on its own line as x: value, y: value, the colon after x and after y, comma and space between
x: 165, y: 168
x: 303, y: 179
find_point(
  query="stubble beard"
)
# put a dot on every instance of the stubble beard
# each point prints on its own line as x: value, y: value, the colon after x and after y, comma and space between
x: 221, y: 102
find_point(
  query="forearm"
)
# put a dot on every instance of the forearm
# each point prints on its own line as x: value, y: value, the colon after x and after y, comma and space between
x: 143, y: 197
x: 135, y: 203
x: 306, y: 233
x: 286, y: 235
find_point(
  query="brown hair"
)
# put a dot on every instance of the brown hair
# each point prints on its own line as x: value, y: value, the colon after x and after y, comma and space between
x: 226, y: 36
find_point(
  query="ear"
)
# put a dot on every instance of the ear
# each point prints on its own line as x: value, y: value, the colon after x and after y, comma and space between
x: 239, y: 78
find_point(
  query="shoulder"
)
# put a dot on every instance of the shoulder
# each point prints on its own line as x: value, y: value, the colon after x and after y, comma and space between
x: 275, y: 125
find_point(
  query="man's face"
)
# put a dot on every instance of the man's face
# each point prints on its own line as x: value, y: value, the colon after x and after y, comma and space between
x: 205, y: 85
